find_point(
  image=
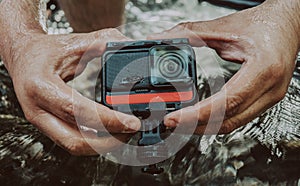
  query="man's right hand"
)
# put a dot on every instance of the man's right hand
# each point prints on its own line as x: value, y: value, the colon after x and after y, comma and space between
x: 40, y: 65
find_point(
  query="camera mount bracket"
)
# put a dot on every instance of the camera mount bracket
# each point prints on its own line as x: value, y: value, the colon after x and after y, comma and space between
x: 154, y: 148
x: 150, y: 133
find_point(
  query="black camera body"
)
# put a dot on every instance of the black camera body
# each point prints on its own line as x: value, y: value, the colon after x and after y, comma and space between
x: 149, y: 79
x: 139, y: 77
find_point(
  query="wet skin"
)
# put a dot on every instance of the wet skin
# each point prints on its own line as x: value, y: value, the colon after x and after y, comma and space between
x: 264, y: 39
x: 40, y: 65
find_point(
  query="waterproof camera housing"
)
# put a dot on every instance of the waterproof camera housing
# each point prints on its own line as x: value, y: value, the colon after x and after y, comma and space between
x: 138, y: 75
x: 149, y: 79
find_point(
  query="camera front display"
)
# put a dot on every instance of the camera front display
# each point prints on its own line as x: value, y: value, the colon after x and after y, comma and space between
x: 138, y: 74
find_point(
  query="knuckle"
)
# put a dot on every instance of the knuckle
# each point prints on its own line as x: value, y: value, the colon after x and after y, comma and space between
x: 74, y: 146
x: 70, y: 39
x: 279, y: 95
x: 230, y: 125
x: 29, y: 115
x: 95, y: 34
x: 186, y: 25
x: 109, y: 35
x: 74, y: 45
x: 233, y: 104
x: 34, y: 116
x: 113, y: 30
x: 68, y: 109
x: 109, y: 31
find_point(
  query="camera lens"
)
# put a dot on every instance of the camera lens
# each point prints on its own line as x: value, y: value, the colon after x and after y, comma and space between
x: 171, y: 65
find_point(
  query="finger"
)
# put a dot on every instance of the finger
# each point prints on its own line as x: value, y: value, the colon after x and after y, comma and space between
x: 211, y: 34
x: 93, y: 42
x: 64, y: 102
x: 257, y: 108
x: 56, y: 97
x: 79, y: 49
x: 182, y: 30
x: 71, y: 139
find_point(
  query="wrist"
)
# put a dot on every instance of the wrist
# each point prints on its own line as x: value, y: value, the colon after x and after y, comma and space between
x: 19, y: 24
x: 16, y: 49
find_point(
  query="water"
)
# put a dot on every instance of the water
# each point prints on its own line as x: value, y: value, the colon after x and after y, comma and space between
x: 265, y: 152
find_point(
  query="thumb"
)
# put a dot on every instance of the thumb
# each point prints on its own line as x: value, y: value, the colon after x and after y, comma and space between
x: 205, y: 33
x: 182, y: 30
x: 94, y: 43
x: 197, y: 32
x: 77, y: 50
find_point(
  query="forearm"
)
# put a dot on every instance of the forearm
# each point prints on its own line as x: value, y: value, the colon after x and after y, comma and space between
x: 18, y: 20
x: 87, y: 16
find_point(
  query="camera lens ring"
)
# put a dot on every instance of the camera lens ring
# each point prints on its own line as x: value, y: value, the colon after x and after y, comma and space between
x: 171, y: 65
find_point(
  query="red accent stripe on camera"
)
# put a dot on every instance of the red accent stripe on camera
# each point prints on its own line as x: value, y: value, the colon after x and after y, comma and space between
x: 147, y: 98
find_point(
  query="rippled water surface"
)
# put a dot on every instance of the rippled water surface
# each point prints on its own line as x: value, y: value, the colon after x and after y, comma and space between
x: 265, y: 152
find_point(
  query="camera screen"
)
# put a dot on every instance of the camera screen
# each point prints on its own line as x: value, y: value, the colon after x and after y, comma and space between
x: 125, y: 70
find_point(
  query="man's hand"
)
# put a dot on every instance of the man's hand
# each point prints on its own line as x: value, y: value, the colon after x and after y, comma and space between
x: 265, y: 40
x: 40, y: 65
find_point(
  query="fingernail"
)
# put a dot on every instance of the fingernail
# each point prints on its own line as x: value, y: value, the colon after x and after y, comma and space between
x: 171, y: 123
x: 132, y: 124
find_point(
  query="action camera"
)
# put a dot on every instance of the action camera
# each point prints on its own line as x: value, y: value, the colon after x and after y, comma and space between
x: 139, y: 74
x: 149, y: 79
